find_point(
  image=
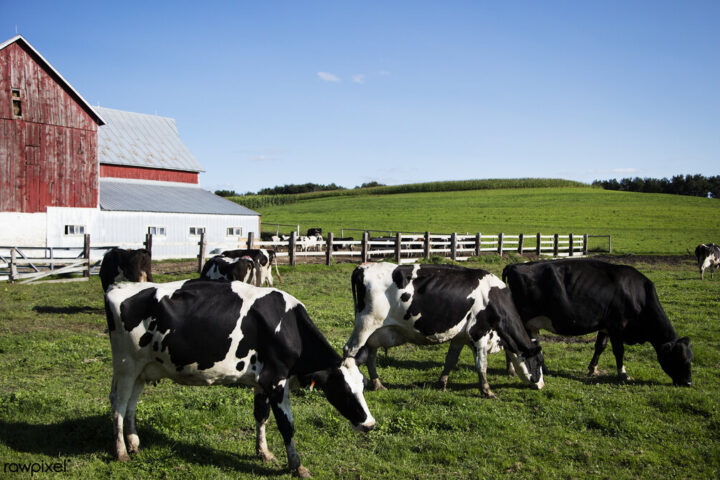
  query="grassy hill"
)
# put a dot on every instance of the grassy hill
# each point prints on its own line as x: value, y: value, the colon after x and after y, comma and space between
x: 639, y: 223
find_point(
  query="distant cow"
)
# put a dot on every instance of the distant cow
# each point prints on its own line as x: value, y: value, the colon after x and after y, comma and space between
x: 228, y: 269
x: 431, y: 304
x: 206, y: 333
x: 125, y: 265
x: 314, y: 232
x: 579, y: 296
x: 262, y: 257
x: 708, y: 256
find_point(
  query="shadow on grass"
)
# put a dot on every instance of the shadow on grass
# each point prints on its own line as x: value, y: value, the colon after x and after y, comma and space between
x: 68, y: 310
x: 609, y: 379
x: 93, y: 435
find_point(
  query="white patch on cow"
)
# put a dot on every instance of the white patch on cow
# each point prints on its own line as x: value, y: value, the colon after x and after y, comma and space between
x: 214, y: 273
x: 523, y: 371
x: 167, y: 289
x: 355, y: 381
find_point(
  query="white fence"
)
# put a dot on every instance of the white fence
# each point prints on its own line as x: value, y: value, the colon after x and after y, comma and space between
x: 408, y: 248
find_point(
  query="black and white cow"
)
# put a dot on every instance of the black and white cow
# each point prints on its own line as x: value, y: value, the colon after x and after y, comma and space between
x: 431, y: 304
x: 579, y: 296
x: 708, y: 256
x: 207, y: 333
x: 262, y: 257
x: 229, y: 269
x: 125, y: 265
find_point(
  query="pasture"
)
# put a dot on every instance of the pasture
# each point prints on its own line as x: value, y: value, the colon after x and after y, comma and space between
x: 640, y: 223
x: 55, y: 369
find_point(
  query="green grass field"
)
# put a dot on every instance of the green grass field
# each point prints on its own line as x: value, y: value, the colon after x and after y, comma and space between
x: 639, y: 223
x: 55, y: 370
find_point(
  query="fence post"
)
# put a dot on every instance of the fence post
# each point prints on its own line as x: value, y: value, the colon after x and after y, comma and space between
x: 364, y: 247
x: 201, y: 253
x: 585, y: 244
x: 52, y: 259
x: 555, y: 245
x: 500, y: 243
x: 570, y: 247
x: 426, y: 245
x: 148, y: 242
x: 13, y: 265
x: 538, y: 248
x: 478, y: 243
x: 250, y: 239
x: 328, y: 254
x: 609, y: 243
x: 291, y: 248
x: 398, y: 248
x: 86, y: 255
x: 520, y: 243
x: 453, y: 246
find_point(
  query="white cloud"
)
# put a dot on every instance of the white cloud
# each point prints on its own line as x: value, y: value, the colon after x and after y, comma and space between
x: 328, y: 77
x: 359, y: 78
x: 615, y: 170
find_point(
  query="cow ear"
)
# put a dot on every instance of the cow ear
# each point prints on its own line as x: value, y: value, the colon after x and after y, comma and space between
x: 666, y: 348
x: 684, y: 340
x: 534, y: 351
x: 318, y: 379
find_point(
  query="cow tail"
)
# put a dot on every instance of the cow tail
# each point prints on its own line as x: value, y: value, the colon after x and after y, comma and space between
x: 505, y: 274
x: 276, y: 269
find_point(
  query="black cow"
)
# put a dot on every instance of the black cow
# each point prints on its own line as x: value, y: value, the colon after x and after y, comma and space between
x: 204, y: 333
x: 262, y: 257
x: 708, y: 256
x: 229, y: 269
x: 431, y: 304
x: 314, y: 232
x: 125, y: 265
x: 579, y: 296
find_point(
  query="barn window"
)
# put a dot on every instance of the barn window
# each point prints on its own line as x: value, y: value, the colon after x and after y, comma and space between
x: 157, y: 231
x: 16, y: 102
x: 74, y: 229
x: 197, y: 230
x: 234, y: 232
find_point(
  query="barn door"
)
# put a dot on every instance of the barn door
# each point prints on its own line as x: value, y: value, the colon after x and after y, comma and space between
x: 32, y: 200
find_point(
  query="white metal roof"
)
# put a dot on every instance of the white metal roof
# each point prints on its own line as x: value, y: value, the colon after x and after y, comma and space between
x: 20, y: 39
x: 167, y: 197
x: 142, y: 140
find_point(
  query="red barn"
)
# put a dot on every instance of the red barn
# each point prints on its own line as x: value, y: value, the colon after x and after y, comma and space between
x: 67, y: 169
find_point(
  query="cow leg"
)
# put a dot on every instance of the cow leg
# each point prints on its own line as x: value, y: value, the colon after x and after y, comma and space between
x: 481, y: 367
x: 600, y: 344
x: 619, y: 350
x: 372, y: 370
x: 451, y: 360
x: 262, y: 414
x: 132, y: 438
x: 120, y: 392
x: 280, y: 404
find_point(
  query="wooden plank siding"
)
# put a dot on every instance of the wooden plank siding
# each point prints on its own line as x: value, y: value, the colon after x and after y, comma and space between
x: 48, y: 155
x: 120, y: 171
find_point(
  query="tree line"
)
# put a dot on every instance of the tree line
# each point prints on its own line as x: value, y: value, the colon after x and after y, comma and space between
x: 693, y: 185
x: 295, y: 188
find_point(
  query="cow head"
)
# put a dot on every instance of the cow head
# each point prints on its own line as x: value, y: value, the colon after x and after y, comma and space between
x: 343, y: 387
x: 529, y: 365
x: 675, y: 359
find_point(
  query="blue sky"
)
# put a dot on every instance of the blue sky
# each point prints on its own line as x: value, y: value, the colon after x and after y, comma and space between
x: 270, y: 92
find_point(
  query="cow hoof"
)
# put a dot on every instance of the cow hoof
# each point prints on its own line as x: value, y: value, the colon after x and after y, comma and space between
x: 442, y: 383
x: 302, y: 472
x: 124, y: 457
x: 267, y: 457
x: 377, y: 385
x: 593, y: 371
x: 623, y: 377
x: 489, y: 394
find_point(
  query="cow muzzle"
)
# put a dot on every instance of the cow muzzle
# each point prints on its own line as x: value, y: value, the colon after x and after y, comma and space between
x: 365, y: 427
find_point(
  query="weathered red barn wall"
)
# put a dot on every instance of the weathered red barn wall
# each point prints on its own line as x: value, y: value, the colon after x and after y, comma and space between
x: 49, y: 156
x: 119, y: 171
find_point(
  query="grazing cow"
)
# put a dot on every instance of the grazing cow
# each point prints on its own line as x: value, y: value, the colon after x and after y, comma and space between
x: 125, y: 265
x: 228, y: 269
x: 579, y: 296
x: 430, y: 304
x: 708, y: 256
x: 314, y: 232
x: 209, y: 333
x: 262, y: 257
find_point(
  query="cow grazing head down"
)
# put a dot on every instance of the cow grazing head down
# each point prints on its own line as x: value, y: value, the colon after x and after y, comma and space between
x: 675, y: 359
x: 529, y: 365
x: 343, y: 387
x: 120, y: 265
